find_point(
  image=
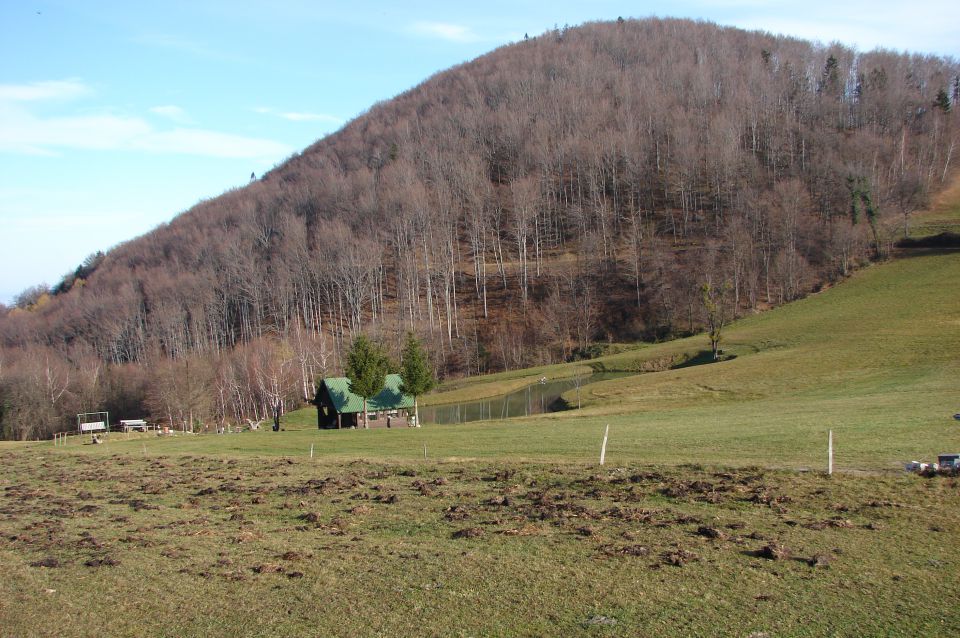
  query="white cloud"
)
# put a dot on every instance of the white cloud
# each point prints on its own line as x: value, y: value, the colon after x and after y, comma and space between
x: 23, y: 131
x: 184, y: 45
x: 172, y: 112
x: 193, y: 141
x: 20, y: 131
x: 444, y: 31
x: 295, y: 116
x: 57, y: 89
x: 311, y: 117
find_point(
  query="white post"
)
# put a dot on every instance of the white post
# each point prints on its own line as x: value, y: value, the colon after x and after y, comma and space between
x: 830, y: 453
x: 311, y: 450
x: 603, y: 448
x: 424, y: 451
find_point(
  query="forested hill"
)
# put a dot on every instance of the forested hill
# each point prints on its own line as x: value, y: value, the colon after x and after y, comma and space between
x: 579, y: 186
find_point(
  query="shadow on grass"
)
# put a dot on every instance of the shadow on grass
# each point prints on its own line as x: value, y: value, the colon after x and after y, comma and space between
x: 702, y: 358
x: 944, y: 240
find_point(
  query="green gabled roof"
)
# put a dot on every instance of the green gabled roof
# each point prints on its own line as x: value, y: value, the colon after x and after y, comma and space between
x: 346, y: 402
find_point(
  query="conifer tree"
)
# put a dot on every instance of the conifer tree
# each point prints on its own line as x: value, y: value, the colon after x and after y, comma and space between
x: 416, y: 372
x: 366, y: 370
x: 943, y: 101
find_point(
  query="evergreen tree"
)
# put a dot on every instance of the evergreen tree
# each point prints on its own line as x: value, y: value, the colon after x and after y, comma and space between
x: 830, y: 79
x: 943, y: 101
x: 366, y: 370
x: 416, y: 372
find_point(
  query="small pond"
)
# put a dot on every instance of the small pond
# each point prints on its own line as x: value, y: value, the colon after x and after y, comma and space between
x: 534, y: 399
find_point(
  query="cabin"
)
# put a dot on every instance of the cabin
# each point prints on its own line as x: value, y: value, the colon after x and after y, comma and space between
x: 338, y: 407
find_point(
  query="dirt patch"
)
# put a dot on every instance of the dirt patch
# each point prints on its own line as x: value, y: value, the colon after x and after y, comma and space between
x: 106, y: 561
x: 292, y: 556
x: 773, y: 551
x: 678, y: 557
x: 624, y: 550
x: 456, y: 513
x: 526, y: 530
x: 468, y: 532
x: 839, y: 523
x: 711, y: 532
x: 140, y: 505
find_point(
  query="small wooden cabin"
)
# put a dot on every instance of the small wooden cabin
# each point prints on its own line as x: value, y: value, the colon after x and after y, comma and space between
x: 338, y: 407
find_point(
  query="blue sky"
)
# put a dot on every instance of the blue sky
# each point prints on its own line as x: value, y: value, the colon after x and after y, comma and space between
x: 116, y: 116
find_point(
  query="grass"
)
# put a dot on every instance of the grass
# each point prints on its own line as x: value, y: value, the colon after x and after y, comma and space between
x: 146, y: 545
x: 492, y: 385
x: 943, y: 215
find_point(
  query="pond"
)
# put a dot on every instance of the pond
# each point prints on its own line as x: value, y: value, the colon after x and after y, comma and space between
x: 534, y: 399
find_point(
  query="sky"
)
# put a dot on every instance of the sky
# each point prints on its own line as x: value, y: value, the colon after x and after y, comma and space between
x: 117, y: 116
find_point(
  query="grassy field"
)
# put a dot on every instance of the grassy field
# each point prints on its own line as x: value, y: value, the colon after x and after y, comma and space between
x: 712, y: 516
x: 126, y: 544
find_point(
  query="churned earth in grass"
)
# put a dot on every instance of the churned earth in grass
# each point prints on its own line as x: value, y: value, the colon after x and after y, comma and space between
x: 192, y: 545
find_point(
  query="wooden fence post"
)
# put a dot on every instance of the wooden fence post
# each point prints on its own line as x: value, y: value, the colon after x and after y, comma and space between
x: 603, y: 448
x: 830, y: 453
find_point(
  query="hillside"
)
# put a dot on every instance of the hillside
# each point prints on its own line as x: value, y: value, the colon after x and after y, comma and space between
x: 580, y: 186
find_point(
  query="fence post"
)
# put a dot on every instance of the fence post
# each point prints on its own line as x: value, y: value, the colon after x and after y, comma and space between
x: 830, y: 453
x: 603, y: 448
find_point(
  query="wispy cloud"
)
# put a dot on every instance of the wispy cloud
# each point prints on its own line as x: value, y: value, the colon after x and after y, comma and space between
x: 23, y: 131
x: 444, y: 31
x: 56, y: 89
x: 184, y: 45
x: 299, y: 116
x: 172, y: 112
x: 191, y: 141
